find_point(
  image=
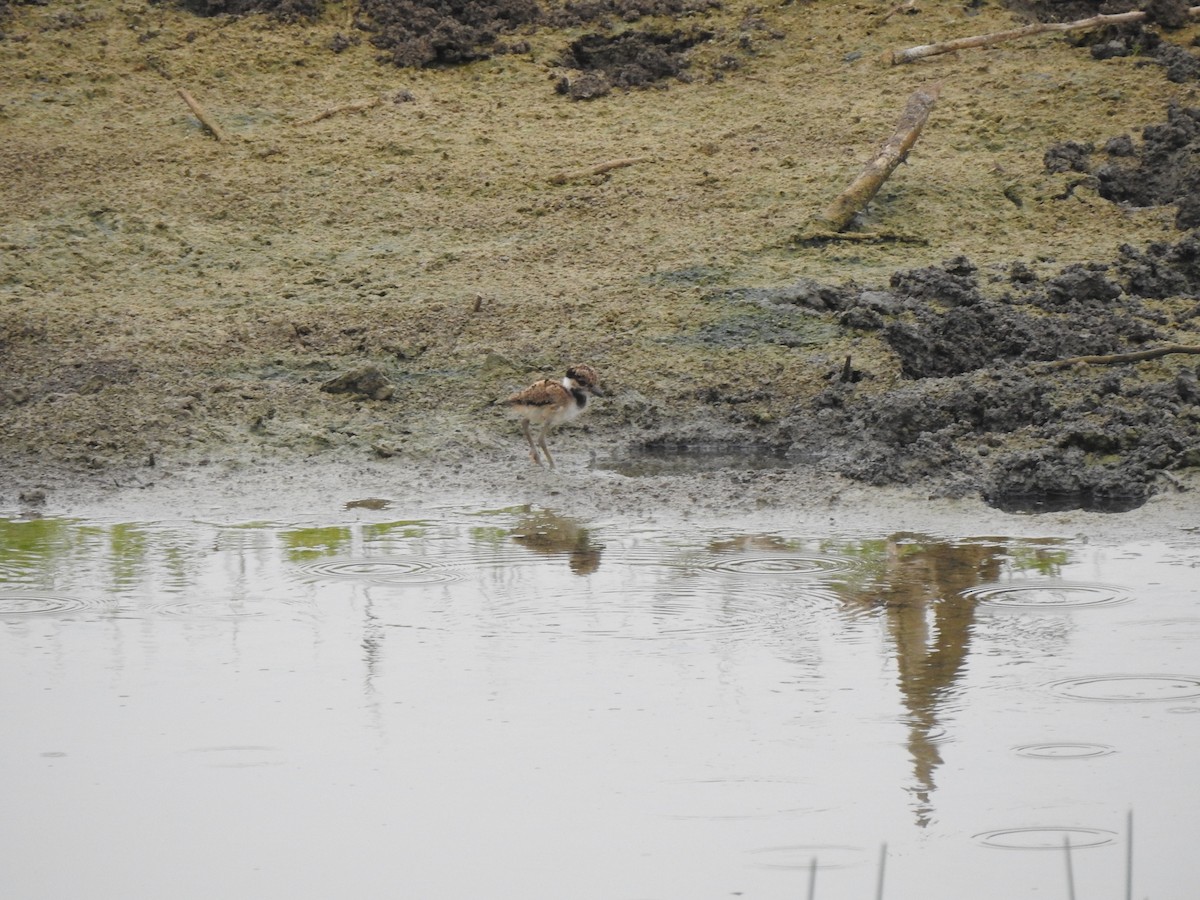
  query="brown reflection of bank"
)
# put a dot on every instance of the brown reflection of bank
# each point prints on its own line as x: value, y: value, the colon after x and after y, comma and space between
x: 929, y: 622
x: 550, y: 534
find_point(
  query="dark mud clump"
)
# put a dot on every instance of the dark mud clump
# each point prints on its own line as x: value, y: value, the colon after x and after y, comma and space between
x: 286, y: 10
x: 1163, y: 170
x: 978, y: 411
x: 1167, y: 13
x: 424, y: 33
x: 632, y: 59
x: 1166, y: 170
x: 1142, y: 39
x: 950, y: 327
x: 415, y: 33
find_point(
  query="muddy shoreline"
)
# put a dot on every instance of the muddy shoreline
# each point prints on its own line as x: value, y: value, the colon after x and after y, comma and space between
x: 319, y: 299
x: 784, y: 501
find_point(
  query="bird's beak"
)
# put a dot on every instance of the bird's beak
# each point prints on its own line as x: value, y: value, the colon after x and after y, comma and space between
x: 595, y: 390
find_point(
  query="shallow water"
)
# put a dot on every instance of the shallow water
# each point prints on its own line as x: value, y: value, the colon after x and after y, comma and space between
x: 509, y: 703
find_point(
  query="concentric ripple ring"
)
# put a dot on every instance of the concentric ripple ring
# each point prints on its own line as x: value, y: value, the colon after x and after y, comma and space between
x: 1128, y: 688
x: 1047, y: 594
x: 804, y: 565
x: 38, y: 604
x: 1064, y: 750
x: 1045, y: 838
x: 383, y: 570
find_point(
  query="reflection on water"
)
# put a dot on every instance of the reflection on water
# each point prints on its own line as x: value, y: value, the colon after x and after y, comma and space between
x: 922, y: 588
x: 549, y: 534
x: 444, y: 707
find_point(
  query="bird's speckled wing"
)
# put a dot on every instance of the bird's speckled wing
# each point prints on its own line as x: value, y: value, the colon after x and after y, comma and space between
x: 540, y: 394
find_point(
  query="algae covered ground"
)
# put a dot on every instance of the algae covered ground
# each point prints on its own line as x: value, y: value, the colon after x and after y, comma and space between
x: 617, y: 184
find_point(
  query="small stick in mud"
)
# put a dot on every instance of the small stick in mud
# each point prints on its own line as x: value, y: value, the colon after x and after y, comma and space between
x: 847, y: 371
x: 854, y: 198
x: 908, y: 6
x: 205, y: 120
x: 598, y: 169
x: 816, y: 236
x: 1117, y: 358
x: 985, y: 40
x: 353, y: 106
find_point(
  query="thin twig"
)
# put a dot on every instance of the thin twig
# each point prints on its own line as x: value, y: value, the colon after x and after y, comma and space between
x: 1117, y: 358
x: 1129, y: 855
x: 598, y: 169
x: 812, y: 879
x: 203, y: 116
x: 985, y: 40
x: 882, y: 867
x: 909, y: 6
x: 354, y: 106
x: 1173, y: 480
x: 1070, y: 869
x: 819, y: 236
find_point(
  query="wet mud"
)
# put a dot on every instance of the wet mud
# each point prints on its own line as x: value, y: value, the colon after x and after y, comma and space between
x: 364, y: 284
x: 977, y: 409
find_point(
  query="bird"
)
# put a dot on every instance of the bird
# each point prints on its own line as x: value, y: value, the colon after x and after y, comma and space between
x: 549, y: 403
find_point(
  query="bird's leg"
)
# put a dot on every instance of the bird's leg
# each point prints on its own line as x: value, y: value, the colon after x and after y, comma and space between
x: 545, y: 449
x: 533, y: 454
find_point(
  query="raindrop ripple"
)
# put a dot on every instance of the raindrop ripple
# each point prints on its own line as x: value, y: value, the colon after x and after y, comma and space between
x: 1047, y: 594
x: 383, y: 570
x: 1045, y: 838
x: 29, y: 603
x: 1128, y: 688
x: 1064, y: 750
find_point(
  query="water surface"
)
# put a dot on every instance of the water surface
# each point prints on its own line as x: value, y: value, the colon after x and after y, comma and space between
x: 514, y: 704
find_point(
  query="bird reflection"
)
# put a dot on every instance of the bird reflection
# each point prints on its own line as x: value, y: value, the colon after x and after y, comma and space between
x: 744, y: 543
x: 550, y: 534
x: 929, y: 620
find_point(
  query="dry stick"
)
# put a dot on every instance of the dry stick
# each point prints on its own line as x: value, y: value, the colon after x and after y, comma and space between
x: 815, y: 236
x: 1115, y: 358
x: 909, y: 6
x: 354, y: 106
x: 984, y: 40
x: 844, y: 207
x: 599, y: 169
x: 200, y: 114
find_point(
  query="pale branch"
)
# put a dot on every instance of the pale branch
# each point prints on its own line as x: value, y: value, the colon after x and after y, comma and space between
x: 854, y: 198
x: 353, y: 106
x: 908, y: 6
x: 985, y: 40
x: 598, y: 169
x: 1117, y: 358
x: 198, y: 111
x: 818, y: 236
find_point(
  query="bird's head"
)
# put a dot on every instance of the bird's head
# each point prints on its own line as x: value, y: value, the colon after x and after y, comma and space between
x: 587, y: 378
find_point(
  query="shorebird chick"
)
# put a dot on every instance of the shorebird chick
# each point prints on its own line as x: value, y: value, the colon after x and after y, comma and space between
x: 549, y: 403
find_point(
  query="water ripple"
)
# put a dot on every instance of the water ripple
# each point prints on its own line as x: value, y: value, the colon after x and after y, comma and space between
x: 1128, y: 688
x: 1038, y: 837
x: 1064, y: 750
x: 383, y: 570
x: 1047, y: 594
x: 204, y: 609
x: 795, y: 565
x: 41, y: 604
